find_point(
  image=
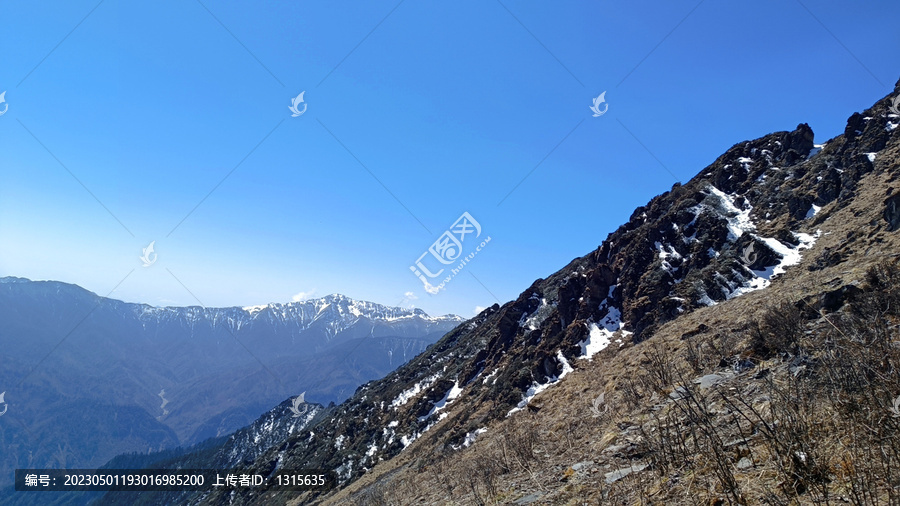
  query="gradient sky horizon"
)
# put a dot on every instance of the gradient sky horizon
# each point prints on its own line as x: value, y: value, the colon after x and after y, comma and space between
x: 169, y: 122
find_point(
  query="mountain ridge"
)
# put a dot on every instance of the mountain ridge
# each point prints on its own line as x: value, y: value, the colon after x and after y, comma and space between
x: 345, y: 304
x: 181, y: 372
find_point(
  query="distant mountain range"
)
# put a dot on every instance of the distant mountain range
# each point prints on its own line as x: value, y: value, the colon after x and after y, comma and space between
x: 88, y: 377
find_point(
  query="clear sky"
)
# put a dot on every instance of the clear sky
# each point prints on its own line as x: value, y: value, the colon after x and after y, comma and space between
x: 132, y: 122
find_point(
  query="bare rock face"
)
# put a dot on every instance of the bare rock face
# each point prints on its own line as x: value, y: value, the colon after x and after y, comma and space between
x: 892, y: 211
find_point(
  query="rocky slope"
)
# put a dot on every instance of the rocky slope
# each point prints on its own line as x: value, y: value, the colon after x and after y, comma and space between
x: 770, y: 216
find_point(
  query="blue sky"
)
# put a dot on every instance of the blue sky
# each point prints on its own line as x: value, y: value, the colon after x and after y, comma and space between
x: 168, y: 121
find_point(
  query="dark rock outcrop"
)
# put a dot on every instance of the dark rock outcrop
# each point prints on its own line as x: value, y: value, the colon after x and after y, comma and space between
x: 892, y: 212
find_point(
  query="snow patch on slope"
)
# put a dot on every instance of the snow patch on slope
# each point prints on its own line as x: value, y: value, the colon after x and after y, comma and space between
x: 407, y: 440
x: 534, y: 320
x: 600, y: 335
x: 665, y: 252
x: 470, y: 438
x: 738, y: 219
x: 449, y: 397
x: 491, y: 376
x: 813, y: 210
x: 815, y: 150
x: 738, y: 223
x: 415, y: 390
x: 789, y: 256
x: 537, y: 388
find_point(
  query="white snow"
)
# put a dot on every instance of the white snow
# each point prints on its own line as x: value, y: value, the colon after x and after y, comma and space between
x: 664, y: 252
x: 532, y: 391
x: 891, y: 126
x: 738, y: 222
x: 408, y: 440
x: 600, y: 335
x: 471, y: 436
x: 490, y: 376
x: 706, y: 300
x: 598, y: 341
x: 537, y: 388
x: 416, y: 389
x: 566, y: 366
x: 162, y: 396
x: 345, y: 470
x: 815, y: 150
x: 871, y: 156
x: 681, y: 302
x: 738, y: 219
x: 789, y: 256
x: 813, y: 210
x: 534, y: 320
x: 452, y: 394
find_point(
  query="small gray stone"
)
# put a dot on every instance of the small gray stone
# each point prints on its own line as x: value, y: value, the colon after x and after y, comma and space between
x: 678, y: 393
x: 582, y: 465
x: 709, y: 380
x: 618, y: 474
x: 528, y: 499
